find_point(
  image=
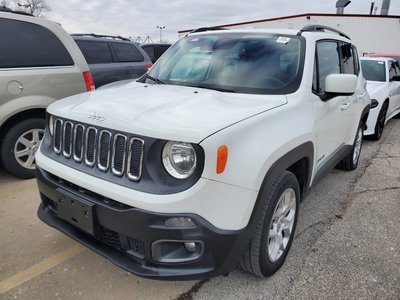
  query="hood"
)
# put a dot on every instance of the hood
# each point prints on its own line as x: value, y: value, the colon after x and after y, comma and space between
x: 164, y: 111
x: 116, y: 84
x: 377, y: 89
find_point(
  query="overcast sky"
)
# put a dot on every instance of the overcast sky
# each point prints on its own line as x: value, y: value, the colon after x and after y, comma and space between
x: 140, y: 17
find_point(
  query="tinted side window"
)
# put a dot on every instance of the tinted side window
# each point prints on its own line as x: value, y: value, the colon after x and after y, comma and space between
x: 163, y: 48
x: 24, y: 44
x: 328, y: 62
x: 127, y: 52
x: 95, y: 52
x: 347, y: 58
x: 150, y: 51
x: 392, y: 70
x: 397, y: 69
x: 356, y: 61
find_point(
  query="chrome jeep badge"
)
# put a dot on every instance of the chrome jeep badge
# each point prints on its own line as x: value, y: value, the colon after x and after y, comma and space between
x: 97, y: 117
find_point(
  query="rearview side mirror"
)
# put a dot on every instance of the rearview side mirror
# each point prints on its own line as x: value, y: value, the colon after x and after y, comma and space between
x: 341, y: 84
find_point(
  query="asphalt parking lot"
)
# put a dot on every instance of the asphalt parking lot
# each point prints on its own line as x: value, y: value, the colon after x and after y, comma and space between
x: 347, y: 245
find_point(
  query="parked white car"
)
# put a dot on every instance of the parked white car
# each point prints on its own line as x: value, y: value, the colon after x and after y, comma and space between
x: 383, y: 85
x: 201, y: 164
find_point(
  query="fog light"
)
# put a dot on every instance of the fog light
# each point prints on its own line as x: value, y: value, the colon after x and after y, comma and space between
x: 190, y: 246
x: 180, y: 222
x: 177, y: 251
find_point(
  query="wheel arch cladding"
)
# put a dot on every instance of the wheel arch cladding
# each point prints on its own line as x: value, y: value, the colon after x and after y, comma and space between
x: 299, y: 161
x: 364, y: 115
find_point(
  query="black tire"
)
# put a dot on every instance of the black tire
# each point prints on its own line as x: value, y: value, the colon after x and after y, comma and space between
x: 380, y: 123
x: 350, y: 162
x: 8, y: 155
x: 257, y: 258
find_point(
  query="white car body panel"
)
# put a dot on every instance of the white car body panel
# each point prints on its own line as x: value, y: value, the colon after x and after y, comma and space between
x: 382, y: 91
x: 160, y: 110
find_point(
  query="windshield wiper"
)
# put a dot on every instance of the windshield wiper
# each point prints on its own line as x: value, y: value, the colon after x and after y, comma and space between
x: 215, y: 88
x: 155, y: 79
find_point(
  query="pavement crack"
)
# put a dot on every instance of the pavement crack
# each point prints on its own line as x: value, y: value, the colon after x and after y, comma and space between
x: 190, y: 293
x: 321, y: 222
x: 377, y: 190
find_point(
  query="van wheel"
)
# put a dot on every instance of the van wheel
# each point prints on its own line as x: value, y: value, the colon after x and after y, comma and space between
x: 275, y: 229
x: 350, y: 162
x: 380, y: 123
x: 20, y: 145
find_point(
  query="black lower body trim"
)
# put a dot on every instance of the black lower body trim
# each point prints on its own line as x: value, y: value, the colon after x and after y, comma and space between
x: 127, y: 235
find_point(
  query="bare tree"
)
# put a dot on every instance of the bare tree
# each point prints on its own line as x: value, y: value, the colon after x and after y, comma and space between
x: 34, y: 7
x: 4, y: 3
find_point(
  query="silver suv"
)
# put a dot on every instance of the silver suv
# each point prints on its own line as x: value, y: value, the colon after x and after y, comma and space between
x: 39, y: 64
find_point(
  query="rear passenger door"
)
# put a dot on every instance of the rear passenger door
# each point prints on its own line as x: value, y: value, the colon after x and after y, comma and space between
x: 131, y: 60
x: 102, y: 65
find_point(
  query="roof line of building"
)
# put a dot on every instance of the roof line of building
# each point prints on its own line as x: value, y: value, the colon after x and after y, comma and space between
x: 301, y: 15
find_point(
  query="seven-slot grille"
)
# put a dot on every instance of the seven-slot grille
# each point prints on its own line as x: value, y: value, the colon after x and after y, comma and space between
x: 116, y: 153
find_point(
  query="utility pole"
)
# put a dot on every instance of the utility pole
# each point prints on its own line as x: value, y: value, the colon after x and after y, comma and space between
x: 161, y: 28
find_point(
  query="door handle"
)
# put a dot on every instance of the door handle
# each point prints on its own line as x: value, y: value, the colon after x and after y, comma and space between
x: 345, y: 106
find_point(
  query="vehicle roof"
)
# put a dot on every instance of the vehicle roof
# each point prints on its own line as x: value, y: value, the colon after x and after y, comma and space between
x: 155, y: 44
x: 378, y: 58
x: 239, y: 30
x: 28, y: 18
x: 101, y: 38
x: 294, y: 32
x: 383, y: 55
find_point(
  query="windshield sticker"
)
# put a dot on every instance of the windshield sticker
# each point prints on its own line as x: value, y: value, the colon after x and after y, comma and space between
x: 381, y: 62
x: 283, y: 40
x: 195, y: 40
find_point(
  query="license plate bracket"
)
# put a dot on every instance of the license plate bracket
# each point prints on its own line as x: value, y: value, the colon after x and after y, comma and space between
x: 76, y: 211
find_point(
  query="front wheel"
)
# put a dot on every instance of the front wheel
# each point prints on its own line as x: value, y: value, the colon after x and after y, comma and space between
x: 274, y: 233
x: 19, y: 146
x: 350, y: 162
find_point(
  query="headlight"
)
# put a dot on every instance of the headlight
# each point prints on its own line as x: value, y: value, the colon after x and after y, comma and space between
x: 179, y: 159
x: 51, y: 125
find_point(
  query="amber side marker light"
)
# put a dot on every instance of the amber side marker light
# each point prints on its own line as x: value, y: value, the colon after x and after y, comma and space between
x: 222, y: 158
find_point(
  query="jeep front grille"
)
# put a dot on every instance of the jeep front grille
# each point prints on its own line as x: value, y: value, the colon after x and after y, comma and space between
x: 103, y: 160
x: 109, y: 152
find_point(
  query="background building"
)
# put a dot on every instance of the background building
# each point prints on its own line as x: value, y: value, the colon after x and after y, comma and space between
x: 370, y: 33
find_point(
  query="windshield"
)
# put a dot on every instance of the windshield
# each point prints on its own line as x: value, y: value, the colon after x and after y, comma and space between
x: 233, y: 62
x: 373, y: 70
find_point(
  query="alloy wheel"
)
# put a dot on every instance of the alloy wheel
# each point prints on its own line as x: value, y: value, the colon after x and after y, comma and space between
x: 281, y: 227
x: 26, y: 146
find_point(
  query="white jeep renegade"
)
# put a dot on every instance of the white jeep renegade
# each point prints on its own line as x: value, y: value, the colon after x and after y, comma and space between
x: 201, y: 164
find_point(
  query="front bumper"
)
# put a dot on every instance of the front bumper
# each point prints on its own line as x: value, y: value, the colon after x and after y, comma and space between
x: 129, y: 236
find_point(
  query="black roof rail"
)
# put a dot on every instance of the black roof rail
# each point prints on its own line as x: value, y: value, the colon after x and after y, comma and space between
x: 202, y: 29
x: 115, y: 37
x: 321, y: 28
x: 6, y: 9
